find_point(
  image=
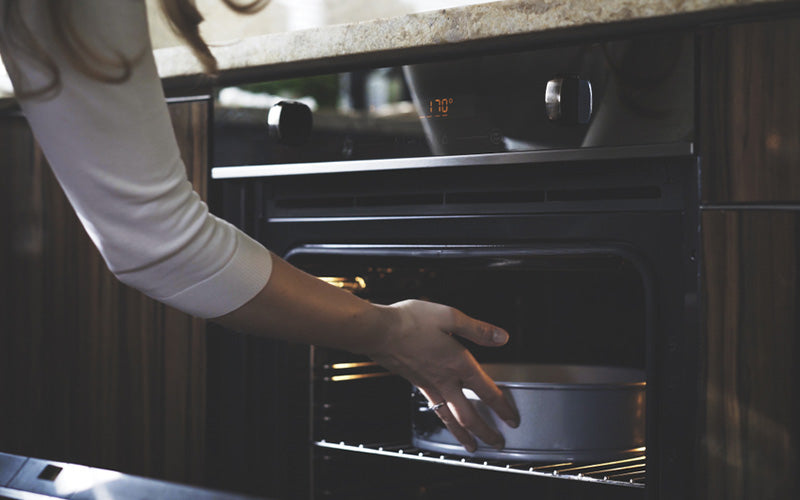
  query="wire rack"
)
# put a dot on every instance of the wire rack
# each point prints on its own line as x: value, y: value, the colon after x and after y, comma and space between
x: 629, y: 472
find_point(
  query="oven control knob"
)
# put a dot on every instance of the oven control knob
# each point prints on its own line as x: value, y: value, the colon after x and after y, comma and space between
x: 568, y: 100
x: 289, y: 122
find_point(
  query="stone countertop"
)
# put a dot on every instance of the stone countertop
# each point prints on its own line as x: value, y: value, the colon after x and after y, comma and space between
x: 278, y: 53
x: 438, y: 28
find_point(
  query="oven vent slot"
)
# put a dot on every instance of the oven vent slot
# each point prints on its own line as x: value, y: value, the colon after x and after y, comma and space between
x: 396, y: 200
x: 321, y: 202
x: 497, y: 197
x: 360, y: 201
x: 456, y: 198
x: 557, y: 194
x: 630, y: 472
x: 619, y: 193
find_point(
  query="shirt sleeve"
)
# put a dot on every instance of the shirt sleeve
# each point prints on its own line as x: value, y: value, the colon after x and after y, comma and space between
x: 114, y: 152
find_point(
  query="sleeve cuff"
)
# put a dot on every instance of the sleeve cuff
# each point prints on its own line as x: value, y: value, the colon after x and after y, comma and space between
x: 232, y: 286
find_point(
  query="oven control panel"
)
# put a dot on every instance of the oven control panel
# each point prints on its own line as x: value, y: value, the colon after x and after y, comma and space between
x: 594, y: 94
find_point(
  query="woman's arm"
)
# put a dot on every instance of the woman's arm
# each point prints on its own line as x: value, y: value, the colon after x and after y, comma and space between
x: 410, y: 338
x: 113, y: 151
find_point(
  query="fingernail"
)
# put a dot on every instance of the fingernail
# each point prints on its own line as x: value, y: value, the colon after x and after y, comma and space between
x: 499, y: 445
x: 471, y: 447
x: 512, y: 424
x: 499, y: 337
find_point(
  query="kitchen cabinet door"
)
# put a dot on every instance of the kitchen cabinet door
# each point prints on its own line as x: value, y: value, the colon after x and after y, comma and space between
x: 92, y: 371
x: 751, y: 295
x: 749, y: 130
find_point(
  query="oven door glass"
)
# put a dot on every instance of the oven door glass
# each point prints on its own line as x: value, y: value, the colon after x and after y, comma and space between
x: 566, y: 304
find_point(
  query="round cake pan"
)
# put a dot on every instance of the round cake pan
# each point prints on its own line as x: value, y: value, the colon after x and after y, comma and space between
x: 568, y: 413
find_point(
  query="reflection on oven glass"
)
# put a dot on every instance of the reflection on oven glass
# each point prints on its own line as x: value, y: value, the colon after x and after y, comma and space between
x: 350, y: 284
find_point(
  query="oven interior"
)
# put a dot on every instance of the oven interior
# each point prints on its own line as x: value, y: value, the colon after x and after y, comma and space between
x: 568, y: 304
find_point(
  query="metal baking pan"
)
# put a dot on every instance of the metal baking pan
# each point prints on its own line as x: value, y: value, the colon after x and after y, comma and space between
x: 568, y: 413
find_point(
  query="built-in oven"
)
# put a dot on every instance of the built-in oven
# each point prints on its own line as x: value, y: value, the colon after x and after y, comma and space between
x: 550, y: 191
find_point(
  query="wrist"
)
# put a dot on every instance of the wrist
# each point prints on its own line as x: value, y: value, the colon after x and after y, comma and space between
x: 379, y: 322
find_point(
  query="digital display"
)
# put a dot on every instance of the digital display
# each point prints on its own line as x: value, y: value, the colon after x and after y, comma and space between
x: 439, y: 107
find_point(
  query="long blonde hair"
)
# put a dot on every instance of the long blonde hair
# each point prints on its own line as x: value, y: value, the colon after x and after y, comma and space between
x: 182, y: 15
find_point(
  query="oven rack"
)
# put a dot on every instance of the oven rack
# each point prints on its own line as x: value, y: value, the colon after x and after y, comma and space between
x: 629, y: 472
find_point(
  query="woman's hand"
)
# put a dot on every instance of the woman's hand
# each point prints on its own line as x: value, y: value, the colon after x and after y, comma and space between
x: 410, y: 338
x: 417, y: 344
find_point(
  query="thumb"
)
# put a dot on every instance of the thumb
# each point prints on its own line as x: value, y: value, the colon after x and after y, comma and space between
x: 480, y: 332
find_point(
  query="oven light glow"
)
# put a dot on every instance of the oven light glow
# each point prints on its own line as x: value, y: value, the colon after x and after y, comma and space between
x: 342, y: 378
x: 347, y: 366
x: 549, y: 466
x: 597, y: 467
x: 357, y: 283
x: 616, y: 469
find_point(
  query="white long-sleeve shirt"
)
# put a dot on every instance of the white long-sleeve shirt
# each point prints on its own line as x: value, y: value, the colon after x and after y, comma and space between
x: 113, y: 150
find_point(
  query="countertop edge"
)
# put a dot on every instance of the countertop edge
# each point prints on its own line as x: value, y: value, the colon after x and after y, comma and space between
x: 498, y: 24
x: 449, y: 28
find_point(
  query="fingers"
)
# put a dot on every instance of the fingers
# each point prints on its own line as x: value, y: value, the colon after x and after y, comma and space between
x: 480, y: 332
x: 442, y: 367
x: 462, y: 419
x: 475, y: 378
x: 492, y: 396
x: 446, y: 416
x: 467, y: 417
x: 461, y: 434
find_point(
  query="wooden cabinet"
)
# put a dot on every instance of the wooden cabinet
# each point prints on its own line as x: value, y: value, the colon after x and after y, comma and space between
x: 92, y: 371
x: 749, y: 110
x: 751, y: 270
x: 749, y: 141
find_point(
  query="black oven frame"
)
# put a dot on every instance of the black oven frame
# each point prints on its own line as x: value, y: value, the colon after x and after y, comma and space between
x: 657, y: 231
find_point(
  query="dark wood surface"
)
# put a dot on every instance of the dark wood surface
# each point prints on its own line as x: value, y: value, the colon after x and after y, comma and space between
x: 749, y: 141
x: 751, y: 293
x: 92, y: 371
x: 748, y: 107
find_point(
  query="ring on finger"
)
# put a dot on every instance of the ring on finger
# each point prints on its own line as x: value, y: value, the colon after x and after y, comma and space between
x: 434, y: 407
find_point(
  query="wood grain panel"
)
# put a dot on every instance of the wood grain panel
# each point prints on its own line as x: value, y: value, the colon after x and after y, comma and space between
x: 751, y: 274
x: 184, y: 371
x: 91, y: 370
x: 748, y: 111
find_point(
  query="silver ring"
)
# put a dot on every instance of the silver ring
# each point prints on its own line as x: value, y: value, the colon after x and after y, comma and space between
x: 436, y: 406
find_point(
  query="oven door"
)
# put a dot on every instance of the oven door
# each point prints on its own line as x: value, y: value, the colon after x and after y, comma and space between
x: 568, y: 303
x: 585, y: 259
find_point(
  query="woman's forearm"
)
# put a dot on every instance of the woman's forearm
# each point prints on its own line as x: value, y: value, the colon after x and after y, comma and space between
x: 298, y: 307
x: 411, y: 338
